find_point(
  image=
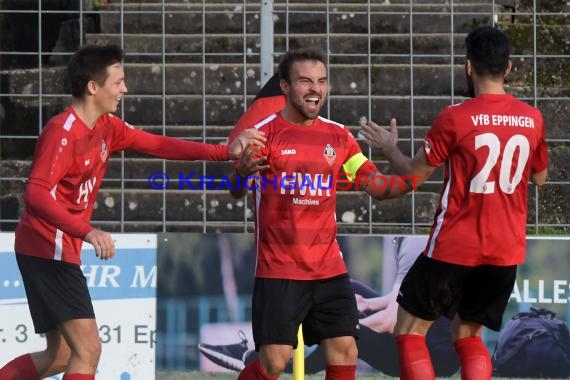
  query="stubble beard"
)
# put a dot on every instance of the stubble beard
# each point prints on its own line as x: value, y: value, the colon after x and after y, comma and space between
x: 306, y: 114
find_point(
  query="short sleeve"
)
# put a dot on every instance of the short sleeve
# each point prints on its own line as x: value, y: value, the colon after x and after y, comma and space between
x: 440, y: 139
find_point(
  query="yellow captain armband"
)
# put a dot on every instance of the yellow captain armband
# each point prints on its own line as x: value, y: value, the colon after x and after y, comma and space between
x: 354, y: 163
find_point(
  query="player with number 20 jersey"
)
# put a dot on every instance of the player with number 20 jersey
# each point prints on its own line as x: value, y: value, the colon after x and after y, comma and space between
x: 489, y: 145
x: 492, y: 147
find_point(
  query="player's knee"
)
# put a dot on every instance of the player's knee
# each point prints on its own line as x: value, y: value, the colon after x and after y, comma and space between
x: 342, y: 351
x: 57, y: 357
x: 274, y: 366
x: 350, y: 354
x: 60, y: 359
x: 90, y: 352
x: 59, y: 367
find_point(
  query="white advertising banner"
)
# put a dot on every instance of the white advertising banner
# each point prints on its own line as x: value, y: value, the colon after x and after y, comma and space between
x: 123, y: 291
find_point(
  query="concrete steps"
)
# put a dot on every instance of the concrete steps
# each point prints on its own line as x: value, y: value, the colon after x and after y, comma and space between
x: 311, y: 2
x: 226, y: 79
x: 220, y: 47
x: 306, y: 17
x: 354, y: 27
x: 229, y: 48
x: 188, y: 206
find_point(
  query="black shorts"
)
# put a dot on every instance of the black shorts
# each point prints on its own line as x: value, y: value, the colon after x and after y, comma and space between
x: 478, y: 294
x: 326, y: 308
x: 57, y: 292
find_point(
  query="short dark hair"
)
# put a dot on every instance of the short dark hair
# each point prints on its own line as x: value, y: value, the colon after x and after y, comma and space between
x: 489, y: 50
x: 292, y: 56
x: 90, y: 62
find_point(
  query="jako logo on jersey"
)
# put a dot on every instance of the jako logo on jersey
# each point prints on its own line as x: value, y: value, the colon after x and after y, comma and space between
x: 299, y: 183
x: 330, y: 154
x: 85, y: 189
x: 288, y: 152
x: 104, y: 151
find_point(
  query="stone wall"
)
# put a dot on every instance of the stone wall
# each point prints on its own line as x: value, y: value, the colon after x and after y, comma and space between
x: 371, y: 73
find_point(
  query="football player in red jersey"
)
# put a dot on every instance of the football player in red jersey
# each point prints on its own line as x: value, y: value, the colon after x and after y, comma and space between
x: 491, y: 147
x: 300, y: 274
x: 69, y: 163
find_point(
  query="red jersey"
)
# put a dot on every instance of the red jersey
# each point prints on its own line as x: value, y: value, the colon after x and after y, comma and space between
x: 295, y: 200
x: 258, y: 110
x: 490, y: 145
x: 68, y: 167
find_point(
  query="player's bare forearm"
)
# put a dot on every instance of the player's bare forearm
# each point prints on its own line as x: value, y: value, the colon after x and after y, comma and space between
x: 414, y: 170
x: 382, y: 187
x: 401, y: 163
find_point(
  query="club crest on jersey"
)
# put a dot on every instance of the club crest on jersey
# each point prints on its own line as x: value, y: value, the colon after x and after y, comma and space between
x: 330, y: 154
x: 103, y: 154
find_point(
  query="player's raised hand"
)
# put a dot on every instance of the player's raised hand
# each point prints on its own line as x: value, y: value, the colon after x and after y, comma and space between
x: 379, y: 138
x: 250, y: 163
x: 102, y: 242
x: 249, y: 136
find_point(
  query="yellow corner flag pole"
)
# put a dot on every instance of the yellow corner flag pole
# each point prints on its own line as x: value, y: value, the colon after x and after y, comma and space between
x: 299, y: 357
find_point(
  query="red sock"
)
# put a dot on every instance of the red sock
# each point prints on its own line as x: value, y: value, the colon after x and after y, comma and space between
x: 474, y: 358
x: 253, y: 371
x: 415, y: 361
x: 78, y: 376
x: 340, y: 372
x: 21, y: 368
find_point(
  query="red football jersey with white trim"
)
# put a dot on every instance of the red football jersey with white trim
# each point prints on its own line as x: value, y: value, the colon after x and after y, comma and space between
x: 295, y: 200
x: 489, y: 145
x: 68, y: 167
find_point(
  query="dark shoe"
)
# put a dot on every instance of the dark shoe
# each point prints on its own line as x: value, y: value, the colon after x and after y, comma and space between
x: 230, y: 356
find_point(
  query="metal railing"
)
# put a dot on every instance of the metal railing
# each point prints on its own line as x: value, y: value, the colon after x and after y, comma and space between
x: 193, y: 66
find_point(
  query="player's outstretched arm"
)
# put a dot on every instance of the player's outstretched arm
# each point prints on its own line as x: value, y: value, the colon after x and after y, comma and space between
x: 172, y: 148
x: 411, y: 172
